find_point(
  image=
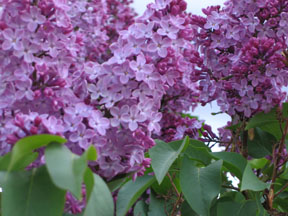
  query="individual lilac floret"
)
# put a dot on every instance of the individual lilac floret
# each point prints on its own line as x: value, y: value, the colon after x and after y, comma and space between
x: 133, y: 117
x: 33, y: 18
x: 140, y: 67
x: 98, y: 122
x: 160, y: 45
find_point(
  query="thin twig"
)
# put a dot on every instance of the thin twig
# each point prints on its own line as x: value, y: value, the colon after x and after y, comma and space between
x: 176, y: 204
x: 173, y: 185
x: 281, y: 190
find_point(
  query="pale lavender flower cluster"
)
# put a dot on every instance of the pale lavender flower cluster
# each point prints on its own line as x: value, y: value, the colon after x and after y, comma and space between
x: 44, y: 47
x: 144, y: 80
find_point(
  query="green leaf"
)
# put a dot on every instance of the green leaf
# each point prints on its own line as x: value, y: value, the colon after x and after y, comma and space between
x: 250, y: 181
x: 27, y: 145
x: 281, y: 203
x: 89, y: 182
x: 140, y: 209
x: 157, y: 207
x: 228, y: 208
x: 199, y: 154
x: 233, y: 195
x: 199, y: 144
x: 260, y: 144
x: 116, y: 183
x: 130, y: 192
x: 67, y: 169
x: 186, y: 210
x: 261, y: 211
x: 267, y: 122
x: 249, y: 208
x: 20, y: 165
x: 262, y: 118
x: 100, y: 201
x: 273, y: 129
x: 234, y: 162
x: 164, y: 187
x: 163, y: 156
x: 91, y: 153
x: 31, y: 193
x: 5, y: 161
x: 200, y: 185
x: 258, y: 163
x: 284, y: 175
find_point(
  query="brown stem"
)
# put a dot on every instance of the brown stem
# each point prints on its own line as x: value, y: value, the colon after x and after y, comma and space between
x: 175, y: 207
x: 179, y: 195
x: 173, y: 185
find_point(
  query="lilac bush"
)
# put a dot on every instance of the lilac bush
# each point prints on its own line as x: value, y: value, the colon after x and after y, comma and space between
x: 86, y: 71
x: 94, y: 73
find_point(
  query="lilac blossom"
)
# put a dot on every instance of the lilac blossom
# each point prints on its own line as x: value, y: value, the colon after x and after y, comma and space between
x: 27, y: 50
x: 140, y: 67
x: 160, y: 45
x: 133, y: 117
x: 33, y: 18
x: 12, y: 39
x: 83, y: 136
x: 168, y: 30
x: 98, y: 122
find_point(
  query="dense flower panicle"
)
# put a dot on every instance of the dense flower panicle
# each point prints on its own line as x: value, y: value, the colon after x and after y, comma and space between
x: 45, y: 50
x: 244, y: 67
x: 86, y: 71
x: 142, y: 81
x: 175, y: 127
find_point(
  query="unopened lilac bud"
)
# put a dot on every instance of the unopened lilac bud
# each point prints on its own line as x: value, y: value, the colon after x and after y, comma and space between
x: 48, y: 92
x: 12, y: 139
x: 175, y: 10
x: 37, y: 121
x: 183, y: 5
x: 37, y: 94
x: 33, y: 130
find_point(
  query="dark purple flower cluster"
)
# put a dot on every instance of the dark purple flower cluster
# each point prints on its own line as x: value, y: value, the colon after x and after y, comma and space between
x: 244, y: 67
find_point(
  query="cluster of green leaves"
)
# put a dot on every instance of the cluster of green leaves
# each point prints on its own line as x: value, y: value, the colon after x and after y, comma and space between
x: 191, y: 180
x: 197, y: 179
x: 42, y: 191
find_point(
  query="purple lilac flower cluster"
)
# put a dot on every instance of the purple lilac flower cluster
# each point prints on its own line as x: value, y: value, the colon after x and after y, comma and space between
x: 86, y: 71
x: 144, y: 80
x: 44, y: 48
x: 243, y: 44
